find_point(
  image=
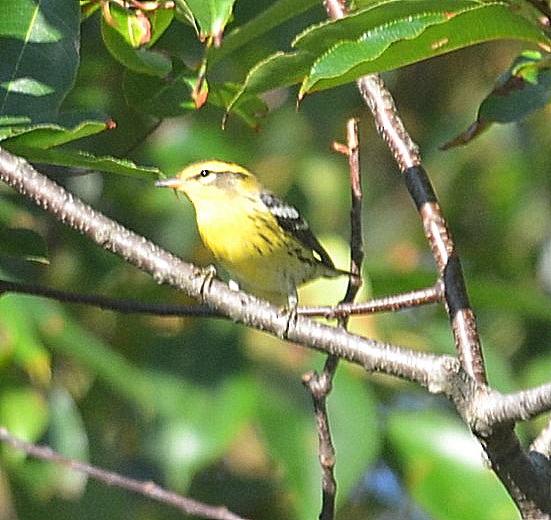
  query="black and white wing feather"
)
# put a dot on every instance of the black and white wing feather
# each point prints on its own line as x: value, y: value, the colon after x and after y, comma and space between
x: 291, y: 221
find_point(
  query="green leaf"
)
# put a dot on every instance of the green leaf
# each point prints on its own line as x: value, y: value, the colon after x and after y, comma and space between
x: 519, y: 93
x: 40, y: 144
x: 352, y: 407
x: 67, y: 436
x: 279, y: 70
x: 132, y: 25
x: 273, y: 15
x: 293, y: 442
x: 79, y: 159
x: 210, y: 15
x: 523, y: 89
x: 141, y: 60
x: 39, y: 58
x: 24, y: 412
x: 199, y: 432
x: 47, y: 135
x: 23, y: 243
x: 249, y: 108
x: 172, y: 98
x: 22, y: 340
x: 160, y: 20
x: 284, y: 69
x: 345, y: 56
x: 194, y: 423
x: 410, y: 39
x: 322, y: 37
x: 442, y: 457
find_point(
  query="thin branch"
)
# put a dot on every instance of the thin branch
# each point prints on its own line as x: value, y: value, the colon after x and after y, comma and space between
x: 320, y: 384
x: 395, y: 302
x: 406, y: 154
x: 352, y: 150
x: 107, y: 303
x: 148, y: 489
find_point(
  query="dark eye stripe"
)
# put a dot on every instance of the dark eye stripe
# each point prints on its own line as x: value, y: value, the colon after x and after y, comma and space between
x: 206, y: 173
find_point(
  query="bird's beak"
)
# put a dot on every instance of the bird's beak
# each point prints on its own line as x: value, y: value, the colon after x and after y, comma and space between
x: 173, y: 182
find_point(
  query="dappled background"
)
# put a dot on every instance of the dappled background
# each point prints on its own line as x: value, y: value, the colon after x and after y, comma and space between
x: 213, y: 410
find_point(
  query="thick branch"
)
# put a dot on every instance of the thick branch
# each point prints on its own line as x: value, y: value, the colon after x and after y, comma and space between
x: 428, y: 370
x: 495, y: 408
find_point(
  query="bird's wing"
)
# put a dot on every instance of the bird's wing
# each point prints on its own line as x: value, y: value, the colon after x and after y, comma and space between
x: 291, y: 221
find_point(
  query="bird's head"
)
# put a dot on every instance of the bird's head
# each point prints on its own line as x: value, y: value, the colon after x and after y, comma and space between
x: 212, y: 180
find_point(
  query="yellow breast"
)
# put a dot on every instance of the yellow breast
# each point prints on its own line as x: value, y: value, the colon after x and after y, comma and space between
x: 250, y: 246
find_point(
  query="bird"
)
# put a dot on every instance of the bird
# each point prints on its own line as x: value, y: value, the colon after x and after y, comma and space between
x: 265, y: 245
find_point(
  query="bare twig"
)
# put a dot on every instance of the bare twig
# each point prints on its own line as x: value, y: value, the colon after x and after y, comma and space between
x: 320, y: 384
x: 148, y: 489
x: 395, y: 302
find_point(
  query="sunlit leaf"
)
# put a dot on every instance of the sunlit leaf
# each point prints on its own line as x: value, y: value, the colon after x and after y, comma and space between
x: 140, y: 60
x: 211, y: 17
x: 47, y: 135
x: 410, y: 39
x: 24, y: 412
x: 79, y: 159
x: 39, y: 57
x: 273, y: 15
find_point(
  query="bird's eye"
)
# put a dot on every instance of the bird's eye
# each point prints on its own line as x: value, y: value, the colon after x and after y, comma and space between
x: 204, y: 173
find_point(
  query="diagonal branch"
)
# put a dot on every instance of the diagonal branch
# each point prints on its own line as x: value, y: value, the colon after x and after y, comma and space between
x: 518, y: 473
x: 406, y: 154
x: 148, y: 489
x: 431, y: 371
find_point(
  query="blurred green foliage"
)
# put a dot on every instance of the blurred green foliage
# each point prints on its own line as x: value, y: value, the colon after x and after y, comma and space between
x: 207, y: 407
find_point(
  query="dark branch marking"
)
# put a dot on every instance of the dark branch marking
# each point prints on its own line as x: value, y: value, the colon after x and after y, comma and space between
x: 454, y: 287
x: 419, y: 185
